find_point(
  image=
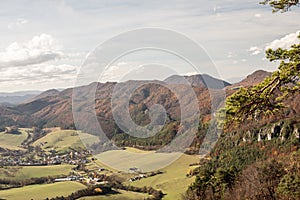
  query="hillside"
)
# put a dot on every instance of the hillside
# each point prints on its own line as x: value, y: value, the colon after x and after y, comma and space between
x: 238, y: 157
x: 256, y: 164
x: 64, y: 140
x: 257, y: 160
x: 12, y: 141
x: 253, y: 79
x: 53, y: 108
x: 48, y: 93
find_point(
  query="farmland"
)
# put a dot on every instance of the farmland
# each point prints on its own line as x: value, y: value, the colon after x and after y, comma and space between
x: 27, y: 172
x: 38, y: 192
x: 173, y: 181
x: 12, y: 141
x: 64, y: 140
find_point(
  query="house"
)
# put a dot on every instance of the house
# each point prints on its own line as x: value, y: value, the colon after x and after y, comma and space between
x: 12, y: 130
x: 69, y: 178
x: 133, y: 170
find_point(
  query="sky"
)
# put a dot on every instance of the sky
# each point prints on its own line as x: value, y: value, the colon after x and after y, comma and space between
x: 45, y: 43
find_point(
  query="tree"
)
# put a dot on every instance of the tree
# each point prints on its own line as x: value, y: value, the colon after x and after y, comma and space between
x: 267, y: 97
x: 288, y: 187
x: 281, y: 5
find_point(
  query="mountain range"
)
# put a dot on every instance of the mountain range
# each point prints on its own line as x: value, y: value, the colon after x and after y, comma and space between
x: 14, y: 98
x: 54, y: 108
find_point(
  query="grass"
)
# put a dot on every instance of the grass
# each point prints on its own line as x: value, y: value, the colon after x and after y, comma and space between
x: 135, y: 150
x: 64, y: 140
x: 43, y: 191
x: 173, y: 181
x: 12, y: 141
x: 122, y: 160
x: 22, y: 173
x: 100, y: 163
x: 121, y: 195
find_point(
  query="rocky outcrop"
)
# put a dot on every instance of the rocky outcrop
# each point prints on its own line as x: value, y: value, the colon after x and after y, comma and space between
x: 283, y: 130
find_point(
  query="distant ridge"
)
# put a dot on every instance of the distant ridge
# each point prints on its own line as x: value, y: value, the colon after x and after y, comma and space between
x: 48, y: 93
x: 20, y: 93
x: 15, y: 98
x: 253, y: 79
x: 199, y: 80
x: 54, y: 107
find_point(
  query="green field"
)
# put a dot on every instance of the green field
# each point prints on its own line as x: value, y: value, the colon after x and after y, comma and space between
x: 39, y: 192
x: 63, y: 140
x: 12, y: 141
x: 21, y: 173
x: 173, y: 182
x: 148, y: 161
x: 135, y: 150
x: 122, y: 195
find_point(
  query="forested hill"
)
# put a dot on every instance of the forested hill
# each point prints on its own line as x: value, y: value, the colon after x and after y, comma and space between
x: 258, y: 163
x: 258, y: 155
x: 54, y: 108
x: 256, y: 158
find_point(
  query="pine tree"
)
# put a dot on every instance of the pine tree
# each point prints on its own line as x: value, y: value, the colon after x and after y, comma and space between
x: 281, y: 5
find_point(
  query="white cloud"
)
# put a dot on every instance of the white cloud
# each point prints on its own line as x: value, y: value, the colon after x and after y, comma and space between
x: 18, y: 23
x: 254, y: 50
x: 38, y: 50
x: 285, y: 42
x: 81, y: 25
x: 40, y: 73
x: 41, y: 77
x: 116, y: 72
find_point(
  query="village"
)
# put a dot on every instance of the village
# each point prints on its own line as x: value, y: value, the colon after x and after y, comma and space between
x: 21, y: 158
x: 77, y: 165
x: 36, y: 156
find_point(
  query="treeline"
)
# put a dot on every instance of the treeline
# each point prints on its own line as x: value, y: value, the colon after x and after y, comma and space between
x: 90, y: 191
x: 162, y: 138
x: 155, y: 194
x: 20, y: 183
x: 103, y: 190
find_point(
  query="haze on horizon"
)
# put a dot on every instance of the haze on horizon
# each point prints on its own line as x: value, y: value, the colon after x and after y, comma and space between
x: 44, y: 43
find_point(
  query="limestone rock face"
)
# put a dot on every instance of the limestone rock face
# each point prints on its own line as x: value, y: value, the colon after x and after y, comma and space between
x: 283, y: 130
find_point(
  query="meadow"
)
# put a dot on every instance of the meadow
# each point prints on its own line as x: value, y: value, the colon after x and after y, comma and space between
x: 43, y: 191
x: 63, y: 140
x: 173, y: 181
x: 27, y: 172
x: 12, y: 141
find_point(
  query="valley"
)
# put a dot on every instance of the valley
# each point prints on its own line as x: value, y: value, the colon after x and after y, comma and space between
x: 38, y: 164
x: 42, y: 152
